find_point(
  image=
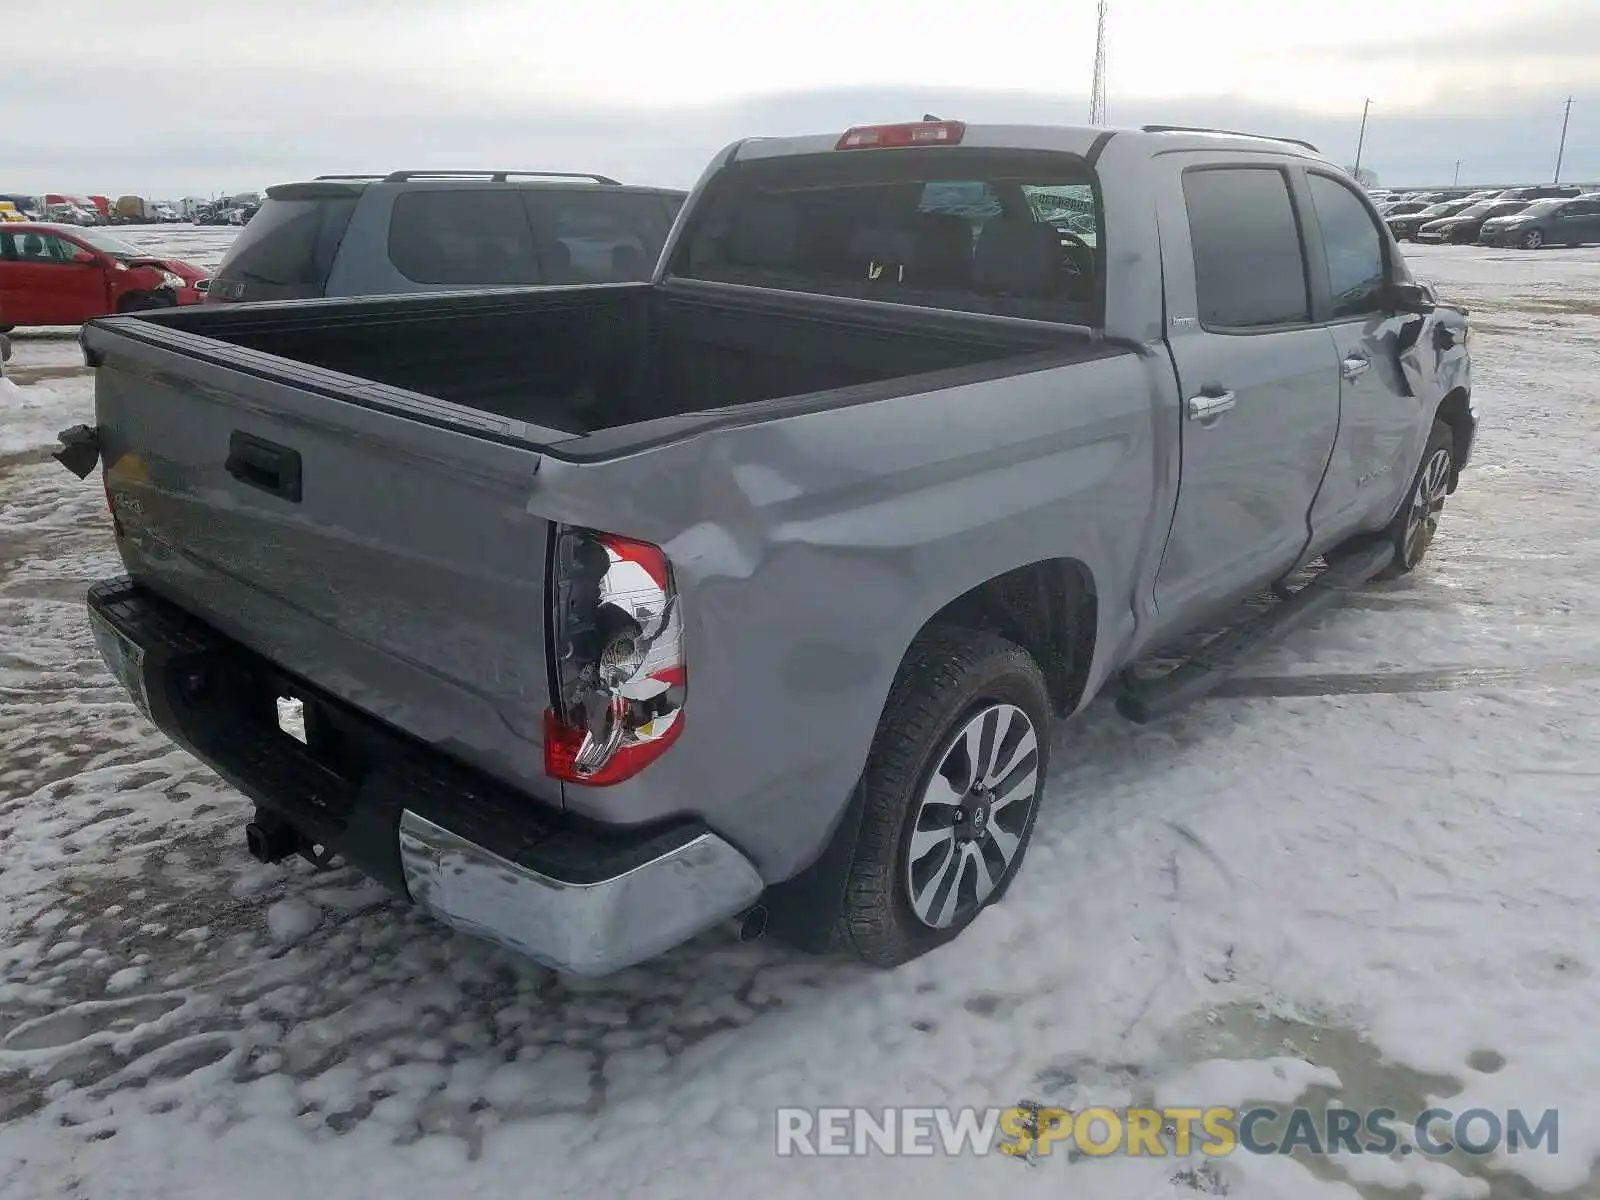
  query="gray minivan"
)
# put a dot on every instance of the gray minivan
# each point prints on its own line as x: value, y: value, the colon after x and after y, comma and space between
x: 422, y: 231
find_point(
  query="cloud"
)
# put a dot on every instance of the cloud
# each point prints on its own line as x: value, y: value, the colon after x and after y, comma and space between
x: 188, y: 100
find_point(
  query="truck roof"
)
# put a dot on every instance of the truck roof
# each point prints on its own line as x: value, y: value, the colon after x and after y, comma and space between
x: 1082, y: 140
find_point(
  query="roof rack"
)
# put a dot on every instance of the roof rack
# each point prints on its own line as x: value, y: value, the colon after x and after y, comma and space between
x: 348, y: 178
x: 495, y: 176
x: 1228, y: 132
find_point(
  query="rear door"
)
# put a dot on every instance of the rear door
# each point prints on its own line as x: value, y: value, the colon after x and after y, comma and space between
x: 1576, y: 223
x: 1259, y: 380
x: 1380, y: 436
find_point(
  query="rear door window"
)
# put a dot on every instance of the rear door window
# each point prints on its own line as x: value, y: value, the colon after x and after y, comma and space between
x: 979, y: 230
x: 286, y: 250
x: 1249, y: 266
x: 596, y: 236
x: 463, y: 237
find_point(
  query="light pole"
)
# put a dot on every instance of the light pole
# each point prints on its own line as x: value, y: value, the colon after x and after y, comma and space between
x: 1361, y: 138
x: 1562, y: 148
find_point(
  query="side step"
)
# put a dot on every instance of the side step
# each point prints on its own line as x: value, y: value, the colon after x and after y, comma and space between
x: 1228, y: 651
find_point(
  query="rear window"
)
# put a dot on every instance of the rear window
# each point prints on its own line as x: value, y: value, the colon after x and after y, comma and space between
x: 463, y: 237
x: 471, y: 237
x: 1006, y: 232
x: 286, y: 251
x: 600, y: 237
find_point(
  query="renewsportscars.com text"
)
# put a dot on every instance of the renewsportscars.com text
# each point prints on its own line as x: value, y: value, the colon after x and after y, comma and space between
x: 1156, y: 1132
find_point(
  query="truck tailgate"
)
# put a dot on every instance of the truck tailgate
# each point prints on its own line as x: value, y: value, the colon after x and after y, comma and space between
x: 389, y: 561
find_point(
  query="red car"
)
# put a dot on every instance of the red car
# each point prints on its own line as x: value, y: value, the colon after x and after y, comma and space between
x: 64, y: 275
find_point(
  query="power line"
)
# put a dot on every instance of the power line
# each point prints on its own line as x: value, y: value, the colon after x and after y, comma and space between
x: 1361, y: 139
x: 1097, y: 97
x: 1562, y: 148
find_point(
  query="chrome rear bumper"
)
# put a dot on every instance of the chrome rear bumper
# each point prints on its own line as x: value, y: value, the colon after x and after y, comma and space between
x: 593, y: 927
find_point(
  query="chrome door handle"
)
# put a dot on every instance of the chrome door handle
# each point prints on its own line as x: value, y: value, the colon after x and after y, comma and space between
x: 1356, y: 365
x: 1209, y: 408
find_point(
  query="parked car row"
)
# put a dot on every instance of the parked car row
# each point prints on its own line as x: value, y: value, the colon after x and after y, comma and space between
x: 1527, y: 217
x: 86, y: 210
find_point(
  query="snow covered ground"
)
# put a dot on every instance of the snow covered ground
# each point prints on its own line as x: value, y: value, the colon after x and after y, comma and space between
x: 1375, y: 854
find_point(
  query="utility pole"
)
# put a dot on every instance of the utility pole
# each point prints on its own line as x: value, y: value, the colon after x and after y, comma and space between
x: 1097, y: 96
x: 1361, y: 139
x: 1457, y: 178
x: 1562, y: 148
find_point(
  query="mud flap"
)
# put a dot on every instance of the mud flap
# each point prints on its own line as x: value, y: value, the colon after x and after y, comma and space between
x: 804, y: 909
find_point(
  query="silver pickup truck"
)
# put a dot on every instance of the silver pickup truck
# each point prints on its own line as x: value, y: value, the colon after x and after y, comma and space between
x: 590, y: 617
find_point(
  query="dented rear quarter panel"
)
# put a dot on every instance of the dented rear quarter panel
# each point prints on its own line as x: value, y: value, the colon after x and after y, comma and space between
x: 810, y: 551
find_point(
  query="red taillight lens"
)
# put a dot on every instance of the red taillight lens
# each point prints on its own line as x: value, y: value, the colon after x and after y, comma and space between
x: 916, y: 133
x: 618, y: 653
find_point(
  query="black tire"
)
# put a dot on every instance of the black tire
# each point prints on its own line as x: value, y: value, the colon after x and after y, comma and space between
x: 6, y: 328
x: 1434, y: 473
x: 948, y: 677
x: 1532, y: 240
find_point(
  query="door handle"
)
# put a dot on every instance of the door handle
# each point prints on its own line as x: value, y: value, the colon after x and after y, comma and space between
x: 266, y: 465
x: 1209, y: 408
x: 1355, y: 365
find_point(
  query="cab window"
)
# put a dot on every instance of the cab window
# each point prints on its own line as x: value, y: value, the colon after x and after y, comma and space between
x: 1353, y: 246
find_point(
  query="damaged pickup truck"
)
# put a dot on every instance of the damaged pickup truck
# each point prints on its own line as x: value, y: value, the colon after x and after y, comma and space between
x: 590, y: 617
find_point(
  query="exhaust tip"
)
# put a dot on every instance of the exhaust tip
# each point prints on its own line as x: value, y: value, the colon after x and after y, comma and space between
x: 270, y: 839
x: 753, y: 924
x: 255, y: 841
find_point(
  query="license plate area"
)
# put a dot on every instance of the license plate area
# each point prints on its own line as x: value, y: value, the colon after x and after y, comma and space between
x: 292, y: 718
x: 123, y: 658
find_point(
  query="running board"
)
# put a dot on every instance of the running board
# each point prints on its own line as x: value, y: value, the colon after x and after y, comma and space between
x: 1195, y: 678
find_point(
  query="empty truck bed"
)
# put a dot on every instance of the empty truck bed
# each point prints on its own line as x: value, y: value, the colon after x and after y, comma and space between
x: 587, y: 359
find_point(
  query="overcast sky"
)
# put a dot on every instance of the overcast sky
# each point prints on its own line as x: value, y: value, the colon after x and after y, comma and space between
x: 169, y: 99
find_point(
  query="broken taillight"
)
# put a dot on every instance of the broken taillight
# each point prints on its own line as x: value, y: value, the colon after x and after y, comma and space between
x: 618, y: 655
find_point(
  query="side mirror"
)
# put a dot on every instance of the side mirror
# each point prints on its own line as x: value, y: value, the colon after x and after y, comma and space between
x: 1409, y: 297
x: 86, y: 258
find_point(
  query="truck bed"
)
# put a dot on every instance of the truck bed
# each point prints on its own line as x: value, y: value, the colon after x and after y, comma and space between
x: 578, y: 361
x: 354, y: 489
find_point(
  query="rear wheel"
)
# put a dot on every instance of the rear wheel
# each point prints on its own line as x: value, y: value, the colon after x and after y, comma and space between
x: 1533, y: 239
x: 951, y: 791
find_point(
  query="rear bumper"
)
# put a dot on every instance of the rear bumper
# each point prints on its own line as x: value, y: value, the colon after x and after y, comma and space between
x: 483, y: 858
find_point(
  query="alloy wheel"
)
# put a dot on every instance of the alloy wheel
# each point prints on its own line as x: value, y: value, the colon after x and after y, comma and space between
x: 1426, y: 504
x: 969, y: 820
